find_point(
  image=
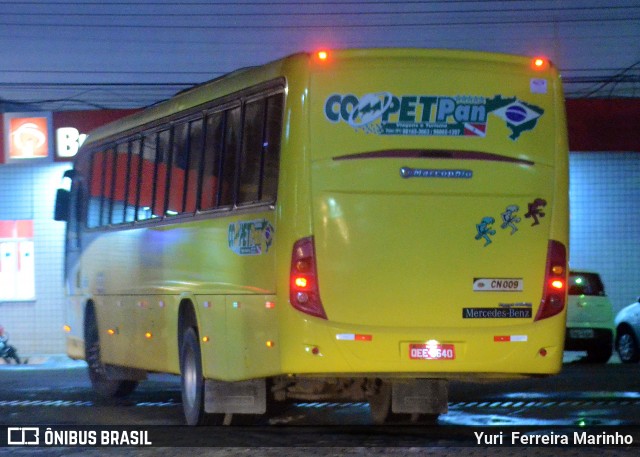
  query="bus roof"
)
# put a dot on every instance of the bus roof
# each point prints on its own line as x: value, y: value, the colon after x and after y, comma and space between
x: 250, y: 76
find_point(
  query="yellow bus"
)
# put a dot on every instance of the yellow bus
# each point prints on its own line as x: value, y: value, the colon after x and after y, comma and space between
x: 347, y: 225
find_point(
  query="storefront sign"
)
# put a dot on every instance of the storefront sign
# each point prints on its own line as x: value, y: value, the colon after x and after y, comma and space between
x: 68, y: 141
x: 27, y: 136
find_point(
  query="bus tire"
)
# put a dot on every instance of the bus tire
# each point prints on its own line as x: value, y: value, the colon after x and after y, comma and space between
x: 192, y: 382
x: 101, y: 384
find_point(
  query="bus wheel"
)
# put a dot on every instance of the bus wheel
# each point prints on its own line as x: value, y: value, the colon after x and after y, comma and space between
x: 101, y: 384
x: 193, y: 383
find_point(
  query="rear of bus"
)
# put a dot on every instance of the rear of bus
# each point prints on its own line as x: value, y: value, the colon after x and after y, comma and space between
x: 438, y: 218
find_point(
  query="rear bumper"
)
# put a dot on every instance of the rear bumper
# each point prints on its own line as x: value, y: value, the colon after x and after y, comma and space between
x: 321, y: 347
x: 588, y: 339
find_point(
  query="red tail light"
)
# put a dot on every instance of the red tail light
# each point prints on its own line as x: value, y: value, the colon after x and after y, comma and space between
x: 555, y: 281
x: 304, y: 293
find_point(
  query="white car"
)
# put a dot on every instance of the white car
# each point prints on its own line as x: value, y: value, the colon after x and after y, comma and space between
x: 628, y: 333
x: 589, y: 317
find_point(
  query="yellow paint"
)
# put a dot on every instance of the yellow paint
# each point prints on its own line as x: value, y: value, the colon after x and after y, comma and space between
x: 396, y: 257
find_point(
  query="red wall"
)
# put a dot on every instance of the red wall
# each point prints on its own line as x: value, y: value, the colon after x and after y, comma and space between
x: 604, y: 124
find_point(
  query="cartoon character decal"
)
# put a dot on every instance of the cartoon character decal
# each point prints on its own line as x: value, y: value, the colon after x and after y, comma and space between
x: 510, y: 219
x: 534, y: 210
x: 484, y: 230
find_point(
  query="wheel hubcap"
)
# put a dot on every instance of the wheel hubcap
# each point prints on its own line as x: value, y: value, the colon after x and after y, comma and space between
x: 626, y: 347
x: 190, y: 379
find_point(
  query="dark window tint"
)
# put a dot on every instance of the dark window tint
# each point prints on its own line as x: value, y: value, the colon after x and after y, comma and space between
x: 179, y: 164
x: 192, y: 179
x: 119, y: 183
x: 214, y: 142
x: 162, y: 173
x: 251, y: 158
x: 271, y: 151
x: 585, y: 284
x: 107, y: 189
x: 147, y: 177
x: 228, y: 157
x: 231, y: 150
x: 95, y: 189
x: 133, y: 185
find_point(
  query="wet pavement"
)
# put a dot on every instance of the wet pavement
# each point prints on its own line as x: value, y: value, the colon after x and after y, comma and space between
x: 585, y: 402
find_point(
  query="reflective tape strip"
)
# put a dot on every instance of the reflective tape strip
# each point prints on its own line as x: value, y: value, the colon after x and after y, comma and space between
x: 510, y: 338
x: 353, y: 337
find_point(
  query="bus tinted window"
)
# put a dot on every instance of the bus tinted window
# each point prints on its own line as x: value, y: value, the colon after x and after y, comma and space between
x: 192, y: 180
x: 162, y: 174
x: 271, y: 151
x: 231, y: 148
x: 131, y: 198
x: 229, y: 157
x: 179, y: 163
x: 251, y: 158
x: 120, y: 183
x: 107, y: 188
x: 211, y: 160
x: 147, y: 177
x: 95, y: 189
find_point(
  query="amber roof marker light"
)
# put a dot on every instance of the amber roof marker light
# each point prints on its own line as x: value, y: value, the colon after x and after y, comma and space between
x: 322, y: 55
x: 540, y: 63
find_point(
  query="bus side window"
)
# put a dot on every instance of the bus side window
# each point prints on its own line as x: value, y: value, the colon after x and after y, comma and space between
x: 75, y: 209
x: 94, y: 200
x: 119, y: 183
x: 162, y: 174
x: 107, y: 187
x: 211, y: 161
x: 271, y: 148
x: 179, y: 164
x: 251, y: 157
x: 131, y: 196
x: 196, y: 142
x: 231, y: 150
x: 147, y: 177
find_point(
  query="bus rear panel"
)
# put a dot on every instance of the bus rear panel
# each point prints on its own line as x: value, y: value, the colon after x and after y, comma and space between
x: 438, y: 210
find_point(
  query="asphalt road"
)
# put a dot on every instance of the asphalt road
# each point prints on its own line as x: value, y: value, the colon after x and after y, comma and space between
x: 585, y: 399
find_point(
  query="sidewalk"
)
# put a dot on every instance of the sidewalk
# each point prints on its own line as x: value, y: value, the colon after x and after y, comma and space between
x: 53, y: 361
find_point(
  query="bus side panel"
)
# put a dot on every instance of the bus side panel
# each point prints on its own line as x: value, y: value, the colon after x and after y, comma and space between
x: 158, y: 267
x: 252, y: 345
x: 212, y: 317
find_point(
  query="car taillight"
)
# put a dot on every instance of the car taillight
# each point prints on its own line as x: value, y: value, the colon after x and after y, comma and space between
x: 304, y: 293
x: 555, y: 281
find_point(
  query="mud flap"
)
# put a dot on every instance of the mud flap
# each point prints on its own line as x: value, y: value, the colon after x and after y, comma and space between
x: 420, y: 396
x: 242, y: 397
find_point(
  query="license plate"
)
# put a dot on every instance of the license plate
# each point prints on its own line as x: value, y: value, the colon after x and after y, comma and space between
x: 432, y: 352
x: 581, y: 333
